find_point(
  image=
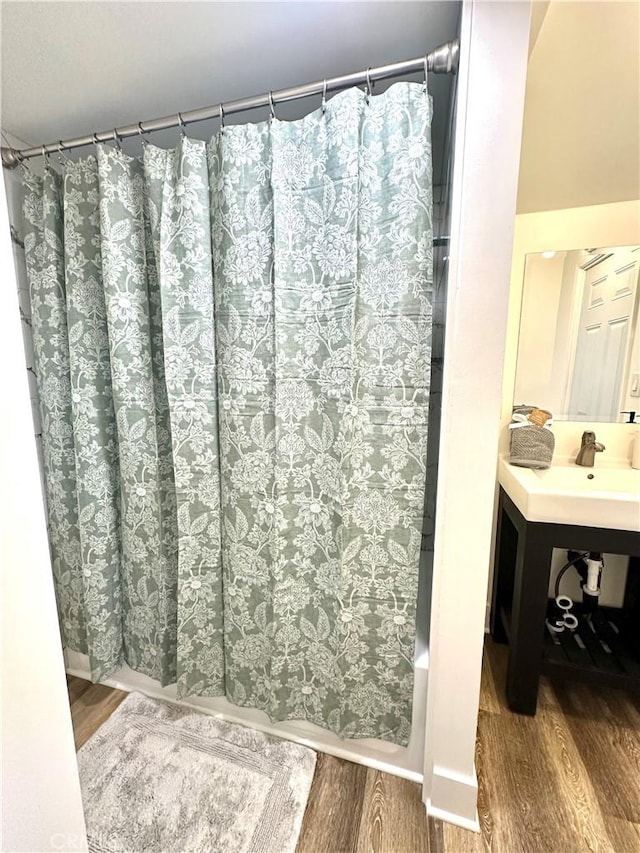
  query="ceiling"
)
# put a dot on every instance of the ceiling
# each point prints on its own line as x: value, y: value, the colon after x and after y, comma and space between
x: 581, y: 134
x: 71, y: 68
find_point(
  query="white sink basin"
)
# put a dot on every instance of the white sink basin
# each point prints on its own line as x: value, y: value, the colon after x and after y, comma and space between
x: 604, y: 496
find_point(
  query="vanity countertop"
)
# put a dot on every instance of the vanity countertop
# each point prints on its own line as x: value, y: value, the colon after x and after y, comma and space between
x: 602, y: 496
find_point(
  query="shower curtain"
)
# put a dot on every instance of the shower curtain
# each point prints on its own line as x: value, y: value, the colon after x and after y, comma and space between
x: 232, y: 347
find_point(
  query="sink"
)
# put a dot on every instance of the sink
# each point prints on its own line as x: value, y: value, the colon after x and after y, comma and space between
x: 603, y: 496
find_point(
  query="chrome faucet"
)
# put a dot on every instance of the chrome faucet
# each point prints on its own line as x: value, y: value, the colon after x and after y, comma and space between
x: 588, y: 449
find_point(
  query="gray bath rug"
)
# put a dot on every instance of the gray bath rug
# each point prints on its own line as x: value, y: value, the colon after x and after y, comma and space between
x: 157, y: 778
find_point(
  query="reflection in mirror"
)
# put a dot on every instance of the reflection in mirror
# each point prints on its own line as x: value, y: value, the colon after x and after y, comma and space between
x: 579, y: 344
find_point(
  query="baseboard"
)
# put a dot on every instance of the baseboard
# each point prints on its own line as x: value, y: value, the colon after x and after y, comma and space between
x: 456, y: 820
x: 454, y: 798
x: 378, y: 754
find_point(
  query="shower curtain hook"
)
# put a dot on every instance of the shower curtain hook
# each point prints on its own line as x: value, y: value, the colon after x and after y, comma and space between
x: 369, y: 86
x: 116, y: 139
x: 61, y: 156
x: 324, y: 97
x: 183, y: 132
x: 426, y: 58
x: 45, y: 153
x: 271, y: 107
x: 221, y: 119
x: 141, y: 132
x: 96, y: 141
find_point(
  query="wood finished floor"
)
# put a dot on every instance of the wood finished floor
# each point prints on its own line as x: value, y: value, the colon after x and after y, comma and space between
x: 564, y: 781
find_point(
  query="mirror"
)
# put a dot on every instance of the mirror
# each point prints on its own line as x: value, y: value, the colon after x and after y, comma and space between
x: 579, y: 342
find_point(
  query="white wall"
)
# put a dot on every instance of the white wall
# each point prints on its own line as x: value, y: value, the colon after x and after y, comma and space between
x: 41, y: 804
x: 494, y: 41
x: 581, y: 138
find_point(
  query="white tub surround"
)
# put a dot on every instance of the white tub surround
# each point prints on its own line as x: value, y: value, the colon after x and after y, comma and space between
x: 405, y: 762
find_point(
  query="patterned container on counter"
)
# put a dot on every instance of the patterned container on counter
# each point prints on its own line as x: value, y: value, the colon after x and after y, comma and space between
x: 531, y: 446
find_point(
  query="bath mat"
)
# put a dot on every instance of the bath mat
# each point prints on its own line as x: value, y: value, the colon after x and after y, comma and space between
x: 160, y: 778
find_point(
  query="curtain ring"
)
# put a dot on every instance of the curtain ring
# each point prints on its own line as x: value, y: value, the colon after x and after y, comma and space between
x: 272, y: 106
x: 369, y: 87
x: 324, y: 97
x: 61, y: 156
x: 183, y: 132
x: 141, y: 132
x: 221, y: 119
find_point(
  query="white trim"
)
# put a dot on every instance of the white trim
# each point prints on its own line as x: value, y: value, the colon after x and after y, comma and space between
x: 491, y: 86
x: 450, y: 817
x: 460, y: 793
x: 378, y: 754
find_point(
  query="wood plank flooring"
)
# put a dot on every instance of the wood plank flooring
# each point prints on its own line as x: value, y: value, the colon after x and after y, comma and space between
x: 564, y: 781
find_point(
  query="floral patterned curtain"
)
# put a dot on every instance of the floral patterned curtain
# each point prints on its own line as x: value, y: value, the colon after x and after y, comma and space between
x: 233, y: 349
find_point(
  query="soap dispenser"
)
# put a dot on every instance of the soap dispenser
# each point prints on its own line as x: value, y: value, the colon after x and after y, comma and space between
x: 635, y: 450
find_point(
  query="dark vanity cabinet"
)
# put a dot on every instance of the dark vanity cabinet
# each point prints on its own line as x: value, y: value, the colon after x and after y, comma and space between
x: 604, y: 649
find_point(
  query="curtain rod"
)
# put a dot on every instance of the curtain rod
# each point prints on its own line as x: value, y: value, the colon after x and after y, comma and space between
x: 443, y: 60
